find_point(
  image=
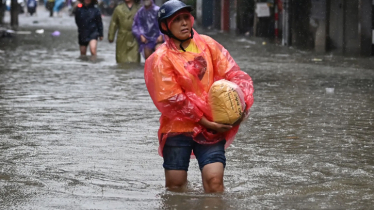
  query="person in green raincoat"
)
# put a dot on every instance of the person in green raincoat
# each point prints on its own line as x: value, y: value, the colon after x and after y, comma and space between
x: 127, y: 49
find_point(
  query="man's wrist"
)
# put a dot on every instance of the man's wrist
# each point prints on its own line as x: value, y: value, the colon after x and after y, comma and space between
x: 208, y: 124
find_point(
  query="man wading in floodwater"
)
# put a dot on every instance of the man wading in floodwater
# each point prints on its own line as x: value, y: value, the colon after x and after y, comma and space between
x: 178, y: 76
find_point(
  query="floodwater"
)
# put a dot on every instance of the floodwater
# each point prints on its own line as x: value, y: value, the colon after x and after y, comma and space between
x: 80, y: 133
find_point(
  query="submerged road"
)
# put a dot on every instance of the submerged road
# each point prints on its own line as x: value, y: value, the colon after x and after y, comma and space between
x: 78, y: 133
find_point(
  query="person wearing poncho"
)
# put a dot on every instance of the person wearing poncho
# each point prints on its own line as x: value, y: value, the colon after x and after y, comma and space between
x: 145, y: 28
x: 178, y: 77
x: 58, y: 6
x: 122, y: 20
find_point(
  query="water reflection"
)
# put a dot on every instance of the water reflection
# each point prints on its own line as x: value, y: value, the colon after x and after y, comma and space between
x: 171, y: 200
x: 92, y: 58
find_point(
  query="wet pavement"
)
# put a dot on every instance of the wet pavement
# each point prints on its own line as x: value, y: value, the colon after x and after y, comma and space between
x: 80, y: 133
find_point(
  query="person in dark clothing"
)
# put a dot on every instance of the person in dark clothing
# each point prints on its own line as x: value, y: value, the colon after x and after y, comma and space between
x: 31, y: 6
x: 49, y: 5
x: 90, y: 25
x: 2, y: 10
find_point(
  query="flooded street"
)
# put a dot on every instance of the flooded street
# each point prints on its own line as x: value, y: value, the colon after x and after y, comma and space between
x: 81, y: 133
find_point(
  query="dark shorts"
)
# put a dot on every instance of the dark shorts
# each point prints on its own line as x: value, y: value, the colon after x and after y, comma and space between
x: 31, y: 10
x: 85, y: 43
x: 177, y: 152
x: 84, y: 39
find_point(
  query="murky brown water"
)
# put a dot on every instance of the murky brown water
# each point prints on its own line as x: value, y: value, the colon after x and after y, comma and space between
x: 81, y: 134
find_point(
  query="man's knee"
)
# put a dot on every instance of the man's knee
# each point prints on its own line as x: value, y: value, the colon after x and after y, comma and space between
x: 175, y: 179
x: 175, y: 182
x: 93, y: 50
x: 175, y: 185
x: 214, y: 184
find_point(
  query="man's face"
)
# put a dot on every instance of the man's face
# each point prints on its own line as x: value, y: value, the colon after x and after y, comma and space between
x: 181, y: 25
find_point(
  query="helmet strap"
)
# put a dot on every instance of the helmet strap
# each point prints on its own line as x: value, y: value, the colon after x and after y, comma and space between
x: 172, y: 36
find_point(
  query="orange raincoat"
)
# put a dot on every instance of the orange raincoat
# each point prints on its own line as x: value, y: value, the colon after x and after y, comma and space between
x: 179, y: 82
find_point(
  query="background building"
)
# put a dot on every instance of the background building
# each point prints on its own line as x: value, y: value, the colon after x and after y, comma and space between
x: 341, y: 26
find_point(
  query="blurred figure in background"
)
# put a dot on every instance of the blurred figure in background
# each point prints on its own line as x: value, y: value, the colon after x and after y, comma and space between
x: 49, y: 5
x: 74, y: 6
x: 145, y: 28
x: 90, y: 26
x: 58, y: 7
x: 122, y: 20
x: 107, y: 7
x: 31, y: 6
x: 69, y: 4
x: 2, y: 10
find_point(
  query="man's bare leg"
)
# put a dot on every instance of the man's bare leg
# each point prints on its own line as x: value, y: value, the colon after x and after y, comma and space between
x: 93, y: 46
x: 175, y: 180
x: 83, y: 50
x: 212, y: 175
x: 147, y: 52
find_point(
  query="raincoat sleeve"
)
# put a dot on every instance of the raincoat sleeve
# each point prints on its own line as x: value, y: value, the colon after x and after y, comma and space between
x: 113, y: 27
x: 165, y: 92
x: 99, y: 23
x: 226, y: 68
x: 136, y: 27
